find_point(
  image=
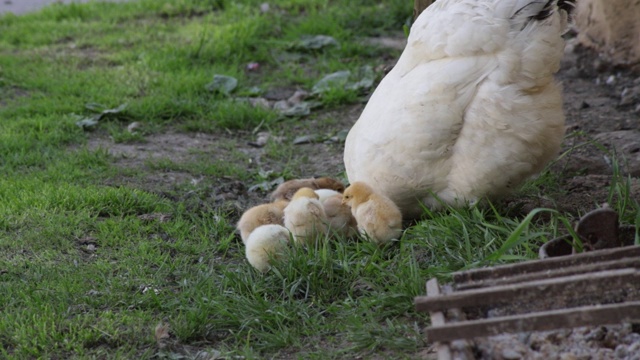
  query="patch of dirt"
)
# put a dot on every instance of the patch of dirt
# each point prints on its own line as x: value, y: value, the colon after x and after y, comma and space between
x: 605, y: 342
x: 10, y: 93
x: 602, y: 107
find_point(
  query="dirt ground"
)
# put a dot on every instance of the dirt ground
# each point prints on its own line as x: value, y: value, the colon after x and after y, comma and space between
x: 602, y: 106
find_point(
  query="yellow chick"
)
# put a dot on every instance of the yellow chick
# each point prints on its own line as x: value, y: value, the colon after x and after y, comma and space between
x: 264, y: 214
x: 305, y: 216
x: 266, y: 242
x: 286, y: 190
x: 377, y: 216
x: 339, y: 218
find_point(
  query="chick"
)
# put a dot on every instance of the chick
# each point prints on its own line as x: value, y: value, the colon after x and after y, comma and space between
x: 305, y: 216
x: 287, y: 189
x: 324, y: 194
x: 377, y: 216
x: 266, y: 242
x: 264, y: 214
x: 339, y: 218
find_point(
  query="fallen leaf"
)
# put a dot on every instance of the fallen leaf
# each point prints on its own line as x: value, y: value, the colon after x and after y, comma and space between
x: 307, y: 139
x: 261, y: 102
x: 95, y: 107
x: 281, y: 106
x: 332, y: 80
x: 133, y: 127
x: 297, y: 97
x: 261, y: 139
x: 300, y: 109
x: 366, y: 78
x: 208, y: 355
x: 162, y: 334
x: 340, y: 137
x: 254, y: 91
x: 117, y: 110
x: 267, y: 185
x: 222, y: 84
x: 89, y: 123
x: 316, y: 42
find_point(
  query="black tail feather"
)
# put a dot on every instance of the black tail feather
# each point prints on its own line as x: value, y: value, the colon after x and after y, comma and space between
x: 548, y: 8
x: 568, y: 6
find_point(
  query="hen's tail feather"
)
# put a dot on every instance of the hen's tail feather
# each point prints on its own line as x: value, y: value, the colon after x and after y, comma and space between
x: 567, y: 5
x: 537, y: 10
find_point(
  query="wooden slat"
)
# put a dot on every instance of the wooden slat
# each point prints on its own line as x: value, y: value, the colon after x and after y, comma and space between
x: 546, y: 264
x: 541, y: 321
x: 568, y: 287
x: 548, y: 274
x: 437, y: 319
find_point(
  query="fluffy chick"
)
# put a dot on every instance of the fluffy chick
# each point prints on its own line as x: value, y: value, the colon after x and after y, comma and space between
x: 377, y: 216
x: 340, y: 220
x: 288, y: 188
x: 305, y: 216
x: 272, y: 213
x: 266, y: 242
x: 324, y: 194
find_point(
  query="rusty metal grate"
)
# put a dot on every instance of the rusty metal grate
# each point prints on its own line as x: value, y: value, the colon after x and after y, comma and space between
x: 600, y: 287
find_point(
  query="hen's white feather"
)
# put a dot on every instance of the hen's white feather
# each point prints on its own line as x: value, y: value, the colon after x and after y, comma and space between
x: 471, y: 109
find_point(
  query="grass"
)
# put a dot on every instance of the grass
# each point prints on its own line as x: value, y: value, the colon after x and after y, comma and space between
x: 90, y: 264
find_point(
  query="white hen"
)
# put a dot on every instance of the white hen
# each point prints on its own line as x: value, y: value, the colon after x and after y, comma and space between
x: 470, y: 110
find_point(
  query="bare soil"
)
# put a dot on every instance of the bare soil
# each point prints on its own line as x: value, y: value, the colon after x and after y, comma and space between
x: 602, y: 106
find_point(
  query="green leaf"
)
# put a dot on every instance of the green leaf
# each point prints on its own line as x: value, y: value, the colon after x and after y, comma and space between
x: 315, y: 42
x: 90, y: 123
x: 222, y: 84
x: 332, y: 80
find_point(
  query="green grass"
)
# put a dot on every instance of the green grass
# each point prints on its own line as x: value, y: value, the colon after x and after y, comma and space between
x: 90, y: 263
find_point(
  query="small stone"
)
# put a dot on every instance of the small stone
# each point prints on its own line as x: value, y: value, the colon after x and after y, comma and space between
x: 568, y: 356
x: 261, y: 102
x: 621, y: 352
x: 634, y: 348
x: 597, y: 334
x: 133, y: 127
x: 510, y: 354
x: 261, y: 139
x: 253, y: 66
x: 629, y: 96
x: 281, y: 105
